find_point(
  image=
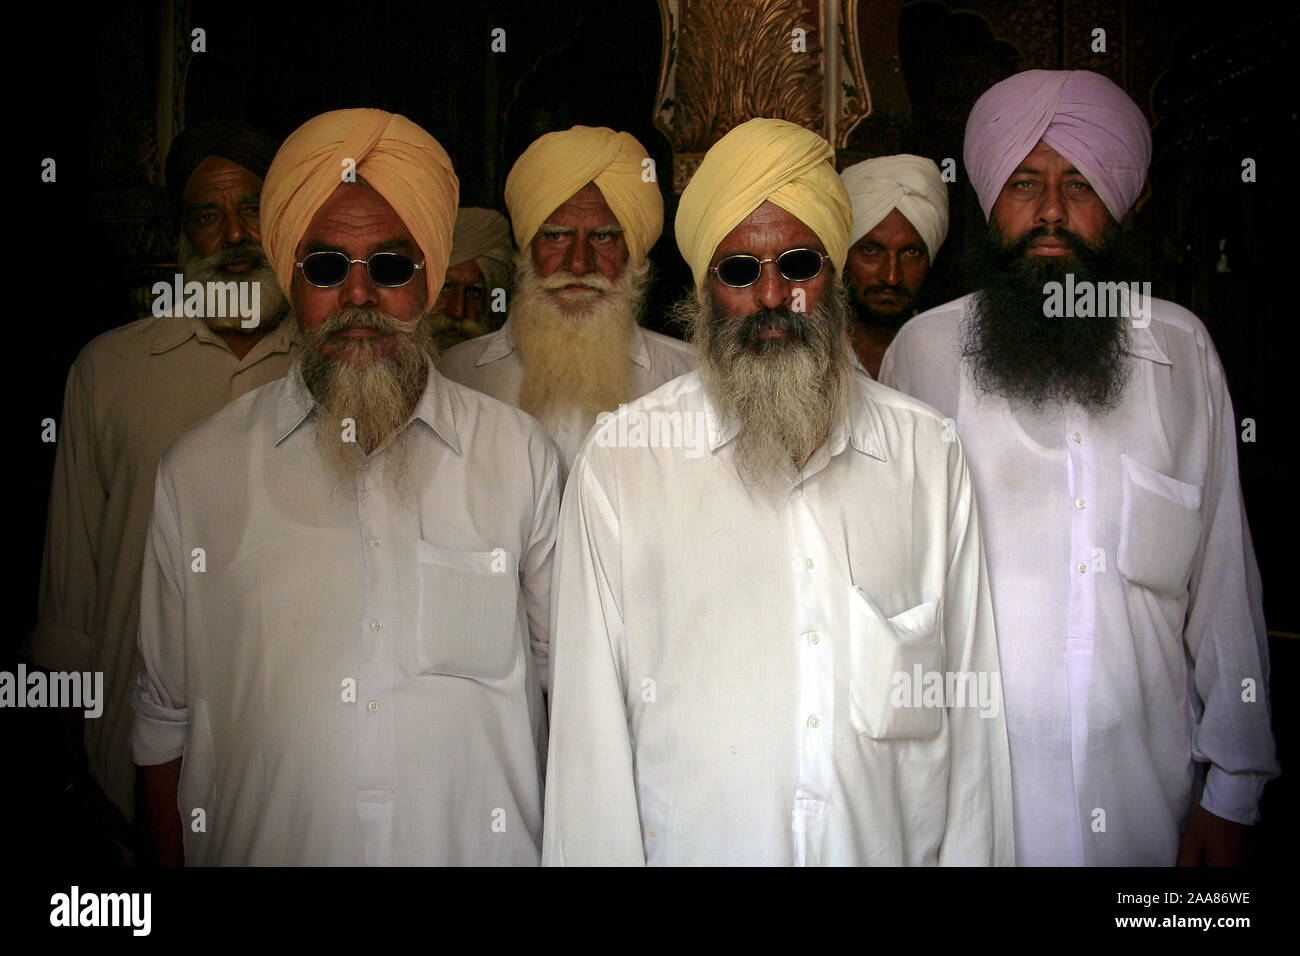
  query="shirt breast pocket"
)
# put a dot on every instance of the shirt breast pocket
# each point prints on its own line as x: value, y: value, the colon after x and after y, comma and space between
x: 469, y: 611
x: 1161, y: 528
x: 887, y: 656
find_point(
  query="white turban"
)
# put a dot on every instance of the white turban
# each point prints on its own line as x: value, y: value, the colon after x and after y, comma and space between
x: 910, y: 184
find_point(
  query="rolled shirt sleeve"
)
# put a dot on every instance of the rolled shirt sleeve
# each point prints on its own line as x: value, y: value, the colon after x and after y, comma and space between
x: 162, y: 718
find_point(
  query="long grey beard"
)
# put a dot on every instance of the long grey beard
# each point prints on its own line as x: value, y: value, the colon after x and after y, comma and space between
x: 361, y: 406
x: 271, y: 300
x: 575, y: 355
x: 786, y: 395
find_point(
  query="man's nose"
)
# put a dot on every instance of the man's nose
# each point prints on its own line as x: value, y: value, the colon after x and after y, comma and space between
x: 891, y: 273
x: 772, y: 289
x: 579, y: 258
x: 1051, y: 208
x: 454, y: 303
x: 357, y: 290
x: 235, y: 230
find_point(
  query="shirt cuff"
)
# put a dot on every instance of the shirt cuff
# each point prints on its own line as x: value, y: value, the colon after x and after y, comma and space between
x: 57, y: 646
x: 159, y: 733
x: 1234, y: 796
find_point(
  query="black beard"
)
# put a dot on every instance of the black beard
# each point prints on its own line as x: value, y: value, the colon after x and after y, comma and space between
x: 1012, y: 349
x: 863, y: 314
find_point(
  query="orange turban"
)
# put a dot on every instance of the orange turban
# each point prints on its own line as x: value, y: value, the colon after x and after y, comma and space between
x: 401, y: 161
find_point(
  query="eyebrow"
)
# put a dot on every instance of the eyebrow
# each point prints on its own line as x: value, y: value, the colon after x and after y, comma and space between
x: 1034, y: 171
x: 318, y: 245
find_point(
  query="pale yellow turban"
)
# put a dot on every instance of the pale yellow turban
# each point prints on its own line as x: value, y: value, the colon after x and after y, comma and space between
x: 557, y: 165
x: 401, y: 161
x: 483, y: 237
x: 911, y: 184
x: 760, y: 161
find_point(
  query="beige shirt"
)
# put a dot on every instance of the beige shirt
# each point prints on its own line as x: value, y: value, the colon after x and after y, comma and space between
x: 491, y: 364
x: 355, y: 675
x: 130, y: 392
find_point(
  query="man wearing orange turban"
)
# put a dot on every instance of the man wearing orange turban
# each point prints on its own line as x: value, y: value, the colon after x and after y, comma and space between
x: 748, y: 617
x: 586, y: 209
x: 344, y: 610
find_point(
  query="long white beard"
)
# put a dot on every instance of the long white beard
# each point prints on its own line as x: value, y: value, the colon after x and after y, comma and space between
x: 575, y: 346
x: 786, y: 395
x: 362, y: 405
x: 271, y: 299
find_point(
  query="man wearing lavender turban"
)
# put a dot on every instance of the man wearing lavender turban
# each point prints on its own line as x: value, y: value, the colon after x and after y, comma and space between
x: 1102, y: 446
x: 344, y: 610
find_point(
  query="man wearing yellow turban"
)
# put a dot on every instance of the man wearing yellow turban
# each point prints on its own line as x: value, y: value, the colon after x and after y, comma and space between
x: 586, y: 208
x: 344, y: 610
x: 774, y: 643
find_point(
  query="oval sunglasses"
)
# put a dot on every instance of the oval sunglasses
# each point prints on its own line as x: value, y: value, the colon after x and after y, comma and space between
x: 390, y: 270
x: 796, y: 265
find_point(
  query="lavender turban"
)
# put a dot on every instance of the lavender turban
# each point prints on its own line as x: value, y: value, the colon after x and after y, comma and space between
x: 1082, y: 115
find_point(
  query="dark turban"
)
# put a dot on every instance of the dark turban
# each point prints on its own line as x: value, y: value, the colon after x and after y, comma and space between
x: 236, y: 142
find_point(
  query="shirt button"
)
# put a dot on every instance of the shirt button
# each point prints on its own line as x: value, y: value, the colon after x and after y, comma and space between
x: 1081, y: 567
x: 1079, y: 503
x: 813, y: 722
x: 808, y: 563
x: 373, y: 706
x: 814, y: 638
x: 376, y: 624
x: 374, y: 542
x: 1076, y: 438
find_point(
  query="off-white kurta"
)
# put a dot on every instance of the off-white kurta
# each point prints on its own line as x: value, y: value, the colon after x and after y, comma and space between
x: 129, y: 393
x: 725, y: 662
x: 1129, y: 618
x: 355, y: 674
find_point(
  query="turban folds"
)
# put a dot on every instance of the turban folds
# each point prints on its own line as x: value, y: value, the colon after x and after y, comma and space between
x: 759, y: 161
x: 557, y: 165
x: 401, y: 161
x: 243, y: 145
x: 482, y: 236
x: 910, y: 184
x: 1082, y: 115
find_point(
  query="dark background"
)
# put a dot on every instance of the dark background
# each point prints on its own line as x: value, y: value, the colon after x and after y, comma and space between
x: 1217, y: 86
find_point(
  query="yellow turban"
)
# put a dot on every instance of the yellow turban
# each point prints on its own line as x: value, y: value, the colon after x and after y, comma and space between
x: 481, y: 236
x: 760, y: 161
x: 401, y: 161
x: 557, y: 165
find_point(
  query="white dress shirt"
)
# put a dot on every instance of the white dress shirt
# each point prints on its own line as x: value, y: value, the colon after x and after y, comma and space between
x: 1127, y: 597
x: 723, y: 658
x: 348, y: 670
x: 491, y: 364
x: 129, y: 393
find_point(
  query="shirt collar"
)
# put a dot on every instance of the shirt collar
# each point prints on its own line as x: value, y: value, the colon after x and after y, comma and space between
x: 175, y: 331
x: 500, y: 345
x: 434, y: 407
x: 1142, y: 344
x: 862, y: 429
